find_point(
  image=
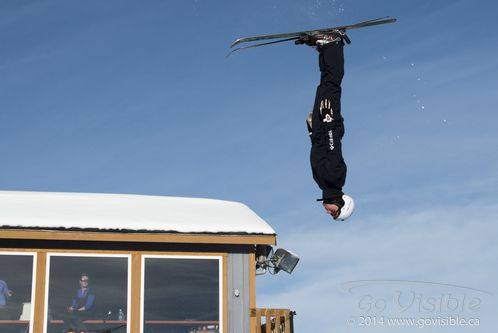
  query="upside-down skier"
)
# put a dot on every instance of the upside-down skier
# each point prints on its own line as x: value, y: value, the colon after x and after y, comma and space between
x: 326, y: 125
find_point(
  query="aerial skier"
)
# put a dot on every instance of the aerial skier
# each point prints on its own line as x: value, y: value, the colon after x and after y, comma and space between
x: 326, y: 125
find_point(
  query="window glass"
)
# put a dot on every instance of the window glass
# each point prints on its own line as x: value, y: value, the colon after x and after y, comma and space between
x: 87, y: 293
x: 16, y: 289
x: 181, y: 295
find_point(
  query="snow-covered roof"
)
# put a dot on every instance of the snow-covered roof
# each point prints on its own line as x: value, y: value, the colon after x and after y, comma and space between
x: 124, y: 212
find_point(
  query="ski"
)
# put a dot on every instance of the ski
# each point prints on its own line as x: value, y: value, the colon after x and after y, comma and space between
x: 284, y: 37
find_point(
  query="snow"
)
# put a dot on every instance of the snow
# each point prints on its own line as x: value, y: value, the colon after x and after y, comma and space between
x: 52, y: 210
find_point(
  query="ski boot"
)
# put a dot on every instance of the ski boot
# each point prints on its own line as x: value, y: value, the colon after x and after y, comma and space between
x: 322, y: 39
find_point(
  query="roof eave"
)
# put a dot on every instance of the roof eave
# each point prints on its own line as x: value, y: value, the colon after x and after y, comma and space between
x: 134, y: 236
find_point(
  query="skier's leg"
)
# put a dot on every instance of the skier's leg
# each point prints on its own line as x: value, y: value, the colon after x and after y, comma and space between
x: 331, y: 74
x: 328, y: 166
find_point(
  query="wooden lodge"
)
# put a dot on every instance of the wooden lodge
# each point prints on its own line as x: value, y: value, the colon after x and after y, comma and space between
x: 146, y: 264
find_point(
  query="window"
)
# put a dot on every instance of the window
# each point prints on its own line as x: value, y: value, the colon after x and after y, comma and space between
x: 181, y: 294
x: 87, y: 292
x: 17, y: 271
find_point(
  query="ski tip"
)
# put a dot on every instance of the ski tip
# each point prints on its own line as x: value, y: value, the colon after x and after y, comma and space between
x: 233, y: 51
x: 380, y: 20
x: 388, y: 19
x: 230, y: 53
x: 383, y: 20
x: 237, y: 41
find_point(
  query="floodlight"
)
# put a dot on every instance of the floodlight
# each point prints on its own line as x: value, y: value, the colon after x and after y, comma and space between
x: 284, y: 260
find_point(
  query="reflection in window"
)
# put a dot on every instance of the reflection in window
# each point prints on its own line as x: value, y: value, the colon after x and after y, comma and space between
x: 87, y: 293
x: 16, y: 286
x: 181, y: 295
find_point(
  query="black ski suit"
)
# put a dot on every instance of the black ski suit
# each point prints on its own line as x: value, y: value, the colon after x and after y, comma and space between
x: 327, y: 163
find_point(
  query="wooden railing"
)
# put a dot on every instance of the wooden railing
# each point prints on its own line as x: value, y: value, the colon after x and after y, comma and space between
x: 273, y: 320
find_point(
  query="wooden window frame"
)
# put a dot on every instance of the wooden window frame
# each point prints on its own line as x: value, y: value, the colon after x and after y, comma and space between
x: 49, y: 254
x: 222, y: 299
x: 33, y: 254
x: 41, y: 275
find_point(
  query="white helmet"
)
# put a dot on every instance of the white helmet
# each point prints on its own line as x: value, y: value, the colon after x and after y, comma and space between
x: 346, y: 210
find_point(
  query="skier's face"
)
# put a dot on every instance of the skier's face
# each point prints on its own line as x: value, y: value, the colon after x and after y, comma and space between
x: 331, y: 209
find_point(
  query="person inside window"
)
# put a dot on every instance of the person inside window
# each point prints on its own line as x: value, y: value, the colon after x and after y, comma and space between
x: 80, y: 308
x: 8, y: 310
x: 5, y: 293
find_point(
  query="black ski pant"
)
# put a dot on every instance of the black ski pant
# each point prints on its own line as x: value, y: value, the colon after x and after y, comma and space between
x: 327, y: 162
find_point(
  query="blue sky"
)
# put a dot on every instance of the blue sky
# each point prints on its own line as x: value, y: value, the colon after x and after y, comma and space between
x: 138, y: 97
